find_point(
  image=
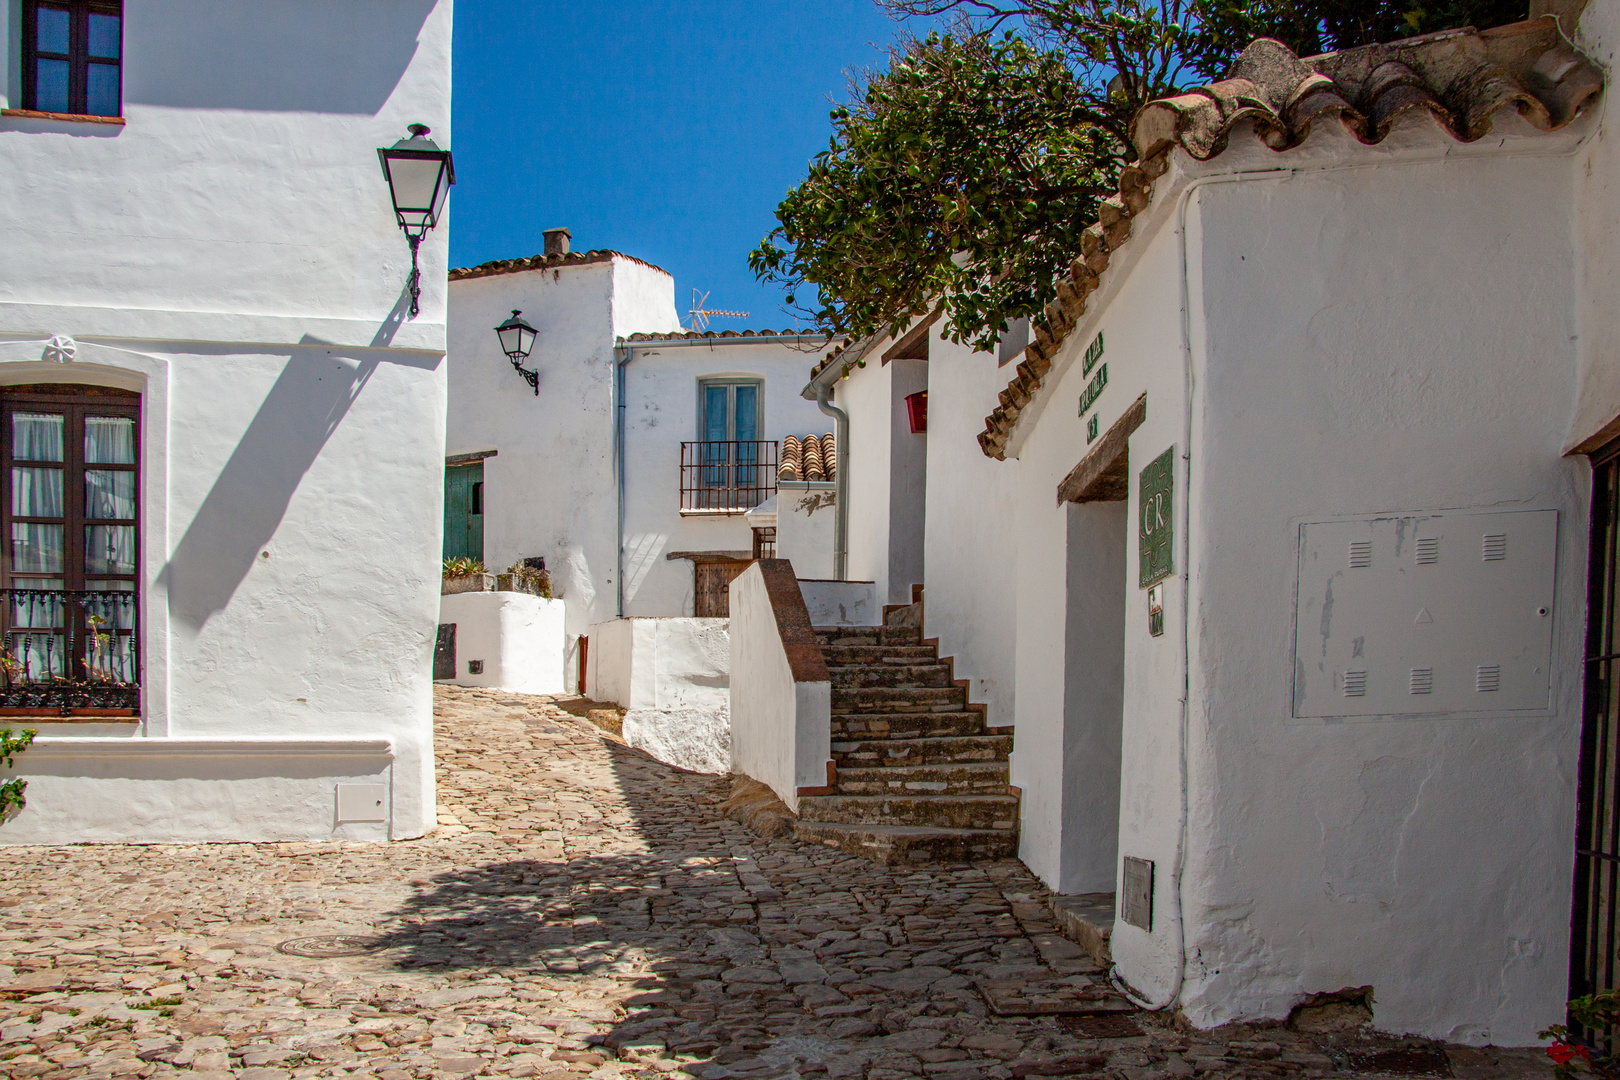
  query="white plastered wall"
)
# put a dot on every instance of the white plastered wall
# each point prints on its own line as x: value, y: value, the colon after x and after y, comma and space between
x: 673, y: 676
x: 1597, y: 187
x: 264, y: 323
x: 1358, y: 347
x: 549, y: 491
x: 517, y: 639
x: 661, y: 395
x: 971, y: 550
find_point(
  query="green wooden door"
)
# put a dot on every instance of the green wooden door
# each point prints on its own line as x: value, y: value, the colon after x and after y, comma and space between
x: 464, y: 511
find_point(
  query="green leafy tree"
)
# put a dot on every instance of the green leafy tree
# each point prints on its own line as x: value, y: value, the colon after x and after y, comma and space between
x: 967, y: 171
x: 11, y: 792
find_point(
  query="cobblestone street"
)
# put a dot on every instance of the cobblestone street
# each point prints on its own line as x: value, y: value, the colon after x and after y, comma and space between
x: 582, y: 910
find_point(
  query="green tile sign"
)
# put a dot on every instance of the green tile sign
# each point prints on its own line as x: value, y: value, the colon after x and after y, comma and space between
x: 1156, y: 554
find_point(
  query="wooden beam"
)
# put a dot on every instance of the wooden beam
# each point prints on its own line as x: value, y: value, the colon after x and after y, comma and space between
x: 1103, y: 475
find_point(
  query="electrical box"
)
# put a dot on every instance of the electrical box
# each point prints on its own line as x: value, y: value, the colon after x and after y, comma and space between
x: 1136, y: 899
x: 1425, y: 614
x: 362, y: 802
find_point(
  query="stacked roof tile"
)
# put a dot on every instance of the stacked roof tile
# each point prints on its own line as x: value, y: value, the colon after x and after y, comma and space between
x: 814, y: 457
x: 1462, y: 78
x: 691, y: 335
x: 546, y: 262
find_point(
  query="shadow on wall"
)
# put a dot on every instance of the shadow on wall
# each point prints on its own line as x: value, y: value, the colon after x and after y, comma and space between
x: 248, y: 500
x: 303, y: 56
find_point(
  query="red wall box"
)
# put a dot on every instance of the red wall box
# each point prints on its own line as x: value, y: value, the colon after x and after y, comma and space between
x: 917, y: 409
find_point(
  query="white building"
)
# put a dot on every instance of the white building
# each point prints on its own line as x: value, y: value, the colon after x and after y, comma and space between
x: 1275, y: 546
x: 630, y: 463
x: 224, y: 430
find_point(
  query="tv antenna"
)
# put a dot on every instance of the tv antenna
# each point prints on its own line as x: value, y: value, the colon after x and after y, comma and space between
x: 700, y: 315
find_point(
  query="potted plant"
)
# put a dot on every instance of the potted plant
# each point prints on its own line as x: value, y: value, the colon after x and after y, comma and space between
x: 463, y: 574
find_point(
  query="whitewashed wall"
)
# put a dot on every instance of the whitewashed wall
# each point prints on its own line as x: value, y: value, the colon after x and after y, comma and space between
x: 550, y: 489
x: 888, y: 475
x: 255, y: 296
x: 673, y: 676
x: 517, y: 637
x: 1597, y: 207
x: 1358, y: 346
x: 805, y: 526
x: 971, y: 550
x: 661, y: 394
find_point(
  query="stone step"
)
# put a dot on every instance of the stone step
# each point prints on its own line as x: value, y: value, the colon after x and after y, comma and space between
x: 998, y: 812
x: 880, y: 654
x: 1087, y: 919
x: 868, y: 635
x: 862, y: 727
x: 866, y: 753
x: 908, y: 844
x: 886, y: 699
x: 975, y: 778
x: 890, y: 675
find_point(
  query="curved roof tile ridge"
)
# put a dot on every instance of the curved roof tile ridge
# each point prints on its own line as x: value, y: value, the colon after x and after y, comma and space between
x: 717, y: 335
x: 1463, y: 78
x: 547, y: 262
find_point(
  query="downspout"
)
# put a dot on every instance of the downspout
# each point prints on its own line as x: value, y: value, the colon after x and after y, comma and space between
x: 840, y: 482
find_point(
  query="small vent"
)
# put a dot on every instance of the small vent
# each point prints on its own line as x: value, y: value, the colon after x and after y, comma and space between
x: 1494, y: 548
x: 1428, y: 549
x: 1422, y: 681
x: 1360, y: 553
x: 1355, y: 684
x: 1488, y: 678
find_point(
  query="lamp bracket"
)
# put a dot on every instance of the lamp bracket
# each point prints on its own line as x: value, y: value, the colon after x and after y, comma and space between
x: 530, y: 375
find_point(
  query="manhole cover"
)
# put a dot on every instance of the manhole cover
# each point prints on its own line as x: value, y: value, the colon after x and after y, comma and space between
x: 1401, y: 1062
x: 319, y: 948
x: 1101, y: 1026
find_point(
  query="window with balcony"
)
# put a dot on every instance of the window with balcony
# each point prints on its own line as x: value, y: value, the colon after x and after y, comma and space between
x: 72, y: 54
x: 70, y: 571
x: 728, y: 469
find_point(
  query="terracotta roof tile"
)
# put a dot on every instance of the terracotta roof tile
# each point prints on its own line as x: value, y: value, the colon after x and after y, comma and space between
x: 546, y: 262
x: 716, y: 335
x: 1462, y: 78
x: 814, y: 457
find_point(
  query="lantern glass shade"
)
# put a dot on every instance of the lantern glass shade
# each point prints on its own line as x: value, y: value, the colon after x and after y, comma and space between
x: 517, y: 336
x: 419, y: 176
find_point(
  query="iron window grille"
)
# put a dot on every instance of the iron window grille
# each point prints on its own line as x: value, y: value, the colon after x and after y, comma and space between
x: 765, y: 543
x: 727, y: 477
x: 69, y: 568
x: 72, y: 56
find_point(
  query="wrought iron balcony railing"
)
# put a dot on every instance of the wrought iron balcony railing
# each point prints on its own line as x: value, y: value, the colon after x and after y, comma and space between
x: 70, y: 650
x: 727, y: 477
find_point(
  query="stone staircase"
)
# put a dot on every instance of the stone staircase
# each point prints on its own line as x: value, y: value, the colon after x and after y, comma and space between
x: 920, y: 778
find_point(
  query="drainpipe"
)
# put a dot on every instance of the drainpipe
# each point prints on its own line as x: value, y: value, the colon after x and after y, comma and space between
x: 820, y: 389
x: 623, y: 353
x: 840, y: 483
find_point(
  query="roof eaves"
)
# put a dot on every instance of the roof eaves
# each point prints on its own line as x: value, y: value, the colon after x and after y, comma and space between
x: 547, y: 262
x: 1462, y: 78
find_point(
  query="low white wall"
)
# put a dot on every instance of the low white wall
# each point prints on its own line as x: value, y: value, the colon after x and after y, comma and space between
x: 805, y: 510
x: 674, y: 677
x: 108, y: 790
x: 781, y: 719
x: 841, y: 603
x: 518, y: 637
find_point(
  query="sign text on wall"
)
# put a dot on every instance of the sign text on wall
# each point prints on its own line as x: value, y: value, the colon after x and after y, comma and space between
x: 1088, y: 397
x: 1155, y: 552
x: 1094, y: 353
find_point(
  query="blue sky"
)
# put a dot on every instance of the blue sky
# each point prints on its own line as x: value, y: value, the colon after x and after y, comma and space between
x: 668, y: 131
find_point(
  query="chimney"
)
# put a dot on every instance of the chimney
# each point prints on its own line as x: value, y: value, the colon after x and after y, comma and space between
x: 557, y: 241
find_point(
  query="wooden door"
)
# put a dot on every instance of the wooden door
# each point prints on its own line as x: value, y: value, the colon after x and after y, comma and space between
x: 712, y: 599
x: 464, y: 511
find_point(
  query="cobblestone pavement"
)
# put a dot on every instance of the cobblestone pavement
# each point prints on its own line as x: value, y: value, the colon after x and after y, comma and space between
x: 581, y: 911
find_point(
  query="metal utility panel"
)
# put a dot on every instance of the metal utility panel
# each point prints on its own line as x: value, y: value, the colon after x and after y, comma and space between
x: 1425, y: 614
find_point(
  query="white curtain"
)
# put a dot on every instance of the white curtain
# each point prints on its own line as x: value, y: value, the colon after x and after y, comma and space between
x: 109, y: 549
x: 36, y: 492
x: 107, y: 494
x: 36, y: 437
x: 36, y: 549
x: 109, y: 440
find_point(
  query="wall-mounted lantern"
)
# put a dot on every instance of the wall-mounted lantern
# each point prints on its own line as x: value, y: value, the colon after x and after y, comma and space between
x: 517, y: 338
x: 419, y: 176
x: 917, y: 412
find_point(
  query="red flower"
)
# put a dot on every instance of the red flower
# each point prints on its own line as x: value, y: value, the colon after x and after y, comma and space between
x: 1561, y: 1053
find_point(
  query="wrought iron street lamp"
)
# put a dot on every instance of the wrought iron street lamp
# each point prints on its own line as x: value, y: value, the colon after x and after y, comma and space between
x: 419, y: 176
x: 517, y: 338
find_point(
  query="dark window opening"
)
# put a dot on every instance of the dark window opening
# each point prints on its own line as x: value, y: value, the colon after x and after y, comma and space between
x: 478, y: 498
x: 70, y: 569
x: 72, y: 56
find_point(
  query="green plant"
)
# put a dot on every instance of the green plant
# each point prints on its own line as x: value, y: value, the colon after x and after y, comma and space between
x: 462, y: 566
x: 534, y: 581
x: 1599, y: 1012
x: 11, y: 792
